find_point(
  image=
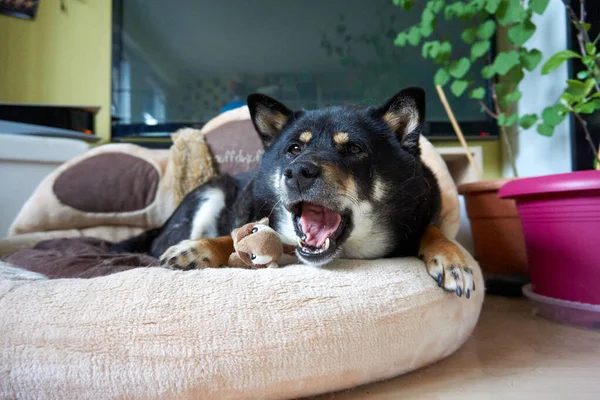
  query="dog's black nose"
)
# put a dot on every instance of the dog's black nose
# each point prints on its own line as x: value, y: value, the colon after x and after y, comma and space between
x: 301, y: 175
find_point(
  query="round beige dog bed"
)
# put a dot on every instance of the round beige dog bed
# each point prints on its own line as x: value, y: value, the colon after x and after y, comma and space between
x: 225, y: 333
x: 229, y: 333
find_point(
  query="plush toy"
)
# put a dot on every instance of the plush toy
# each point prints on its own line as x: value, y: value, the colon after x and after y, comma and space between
x: 257, y: 245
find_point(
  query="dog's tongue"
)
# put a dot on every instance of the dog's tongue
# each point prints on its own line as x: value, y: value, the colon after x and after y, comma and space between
x: 318, y: 223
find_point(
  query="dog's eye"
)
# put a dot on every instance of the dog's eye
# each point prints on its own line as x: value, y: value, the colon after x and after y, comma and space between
x: 354, y: 149
x: 255, y: 229
x: 253, y: 256
x: 294, y: 149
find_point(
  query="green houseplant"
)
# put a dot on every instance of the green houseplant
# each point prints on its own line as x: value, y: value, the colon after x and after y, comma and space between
x: 561, y: 212
x: 582, y: 94
x: 497, y: 233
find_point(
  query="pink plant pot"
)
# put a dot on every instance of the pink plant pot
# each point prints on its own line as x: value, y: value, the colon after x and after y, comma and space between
x: 561, y: 223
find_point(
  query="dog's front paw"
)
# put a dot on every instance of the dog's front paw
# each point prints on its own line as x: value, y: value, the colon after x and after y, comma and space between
x: 450, y: 272
x: 447, y: 264
x: 186, y: 255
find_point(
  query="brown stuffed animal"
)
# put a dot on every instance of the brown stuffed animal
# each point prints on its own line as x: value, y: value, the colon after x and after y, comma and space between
x: 257, y: 246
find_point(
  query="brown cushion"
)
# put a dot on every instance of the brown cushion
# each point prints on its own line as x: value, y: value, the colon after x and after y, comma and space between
x: 76, y: 258
x: 109, y: 182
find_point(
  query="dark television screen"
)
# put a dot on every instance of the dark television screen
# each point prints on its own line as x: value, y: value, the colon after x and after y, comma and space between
x: 188, y: 61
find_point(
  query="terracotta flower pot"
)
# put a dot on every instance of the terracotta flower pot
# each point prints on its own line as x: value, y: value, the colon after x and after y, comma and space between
x: 498, y: 240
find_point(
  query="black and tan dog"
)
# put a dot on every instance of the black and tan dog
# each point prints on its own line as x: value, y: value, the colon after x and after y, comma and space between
x: 336, y: 182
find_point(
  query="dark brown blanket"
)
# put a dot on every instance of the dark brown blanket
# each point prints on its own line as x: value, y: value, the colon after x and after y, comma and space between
x: 77, y: 258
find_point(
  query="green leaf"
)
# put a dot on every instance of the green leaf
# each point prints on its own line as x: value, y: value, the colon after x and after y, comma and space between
x: 459, y: 68
x: 427, y: 23
x: 587, y: 108
x: 443, y: 53
x: 545, y: 130
x: 401, y: 39
x: 488, y: 71
x: 437, y: 6
x: 510, y: 11
x: 430, y: 48
x: 530, y: 59
x: 510, y: 121
x: 479, y: 49
x: 505, y: 61
x: 492, y: 5
x: 427, y: 16
x: 434, y: 49
x: 578, y: 88
x: 554, y: 115
x: 414, y: 36
x: 590, y: 48
x: 589, y: 61
x: 462, y: 11
x: 557, y: 59
x: 502, y: 119
x: 477, y: 94
x: 426, y: 30
x: 520, y: 33
x: 478, y: 4
x: 596, y: 163
x: 468, y: 35
x: 456, y: 9
x: 589, y: 85
x: 405, y: 4
x: 486, y: 30
x: 538, y: 6
x: 441, y: 77
x: 567, y: 99
x: 458, y: 87
x: 516, y: 74
x: 586, y: 26
x: 514, y: 96
x: 528, y: 120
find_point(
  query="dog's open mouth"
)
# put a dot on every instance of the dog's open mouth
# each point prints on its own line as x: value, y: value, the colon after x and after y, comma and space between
x: 318, y: 229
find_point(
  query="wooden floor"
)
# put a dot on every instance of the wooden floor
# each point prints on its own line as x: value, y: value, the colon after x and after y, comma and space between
x: 511, y: 355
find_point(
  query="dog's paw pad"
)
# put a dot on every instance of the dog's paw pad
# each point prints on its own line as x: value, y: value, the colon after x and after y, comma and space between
x: 184, y: 255
x: 450, y: 271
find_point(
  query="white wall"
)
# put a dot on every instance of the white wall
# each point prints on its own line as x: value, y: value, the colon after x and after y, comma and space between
x: 537, y: 154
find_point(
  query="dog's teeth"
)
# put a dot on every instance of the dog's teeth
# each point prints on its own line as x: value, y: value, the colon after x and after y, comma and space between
x: 326, y: 245
x: 300, y: 242
x: 304, y: 238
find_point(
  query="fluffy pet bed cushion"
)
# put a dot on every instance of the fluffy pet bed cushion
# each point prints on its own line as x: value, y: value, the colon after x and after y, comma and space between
x: 225, y: 333
x: 230, y: 333
x: 116, y: 187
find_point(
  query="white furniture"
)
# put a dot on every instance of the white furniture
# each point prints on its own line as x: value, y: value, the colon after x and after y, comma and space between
x: 24, y: 162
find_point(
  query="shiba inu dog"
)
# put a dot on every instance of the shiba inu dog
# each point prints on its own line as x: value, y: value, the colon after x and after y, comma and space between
x: 336, y: 182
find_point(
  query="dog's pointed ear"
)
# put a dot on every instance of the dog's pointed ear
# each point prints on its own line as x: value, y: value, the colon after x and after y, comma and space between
x: 404, y: 114
x: 268, y: 116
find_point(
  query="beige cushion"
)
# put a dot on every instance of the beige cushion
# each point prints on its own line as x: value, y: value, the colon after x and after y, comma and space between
x: 225, y: 333
x: 56, y: 203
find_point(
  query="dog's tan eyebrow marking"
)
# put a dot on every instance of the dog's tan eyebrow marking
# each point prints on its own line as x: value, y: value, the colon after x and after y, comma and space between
x: 341, y: 138
x: 305, y: 136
